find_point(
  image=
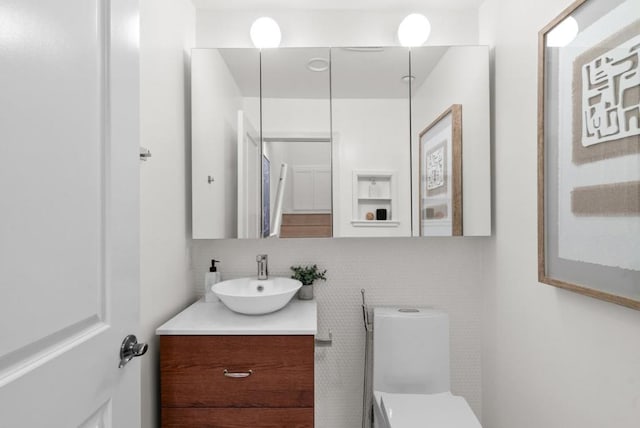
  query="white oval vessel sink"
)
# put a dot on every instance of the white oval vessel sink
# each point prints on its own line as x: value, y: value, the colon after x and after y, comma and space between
x: 252, y: 296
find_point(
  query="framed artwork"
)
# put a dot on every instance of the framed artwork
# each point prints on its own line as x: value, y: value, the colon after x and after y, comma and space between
x: 441, y: 175
x: 589, y: 151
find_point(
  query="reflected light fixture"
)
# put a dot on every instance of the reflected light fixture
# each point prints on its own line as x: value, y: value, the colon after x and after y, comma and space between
x: 563, y: 33
x: 414, y: 30
x: 265, y: 33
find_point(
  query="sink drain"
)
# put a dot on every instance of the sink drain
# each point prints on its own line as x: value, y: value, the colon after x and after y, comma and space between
x: 260, y: 288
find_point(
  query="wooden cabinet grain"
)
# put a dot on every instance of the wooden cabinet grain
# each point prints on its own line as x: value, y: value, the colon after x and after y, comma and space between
x: 198, y: 387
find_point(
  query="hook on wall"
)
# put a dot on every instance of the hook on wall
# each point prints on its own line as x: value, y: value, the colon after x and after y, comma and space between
x: 325, y: 342
x: 145, y: 154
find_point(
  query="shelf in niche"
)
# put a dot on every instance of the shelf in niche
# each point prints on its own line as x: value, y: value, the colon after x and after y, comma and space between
x: 373, y: 190
x: 370, y: 185
x: 375, y: 223
x: 363, y: 198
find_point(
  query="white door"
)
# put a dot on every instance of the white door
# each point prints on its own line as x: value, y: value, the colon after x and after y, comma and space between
x: 248, y: 179
x: 68, y: 212
x: 312, y: 189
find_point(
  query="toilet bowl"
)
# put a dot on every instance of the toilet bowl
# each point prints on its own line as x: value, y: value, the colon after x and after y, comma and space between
x: 443, y: 410
x: 411, y: 383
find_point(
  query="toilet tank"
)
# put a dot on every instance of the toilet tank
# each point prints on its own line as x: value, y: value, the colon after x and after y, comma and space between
x: 410, y: 350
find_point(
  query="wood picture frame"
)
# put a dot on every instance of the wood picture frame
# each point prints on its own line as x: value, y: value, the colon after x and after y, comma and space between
x: 440, y: 175
x: 589, y: 152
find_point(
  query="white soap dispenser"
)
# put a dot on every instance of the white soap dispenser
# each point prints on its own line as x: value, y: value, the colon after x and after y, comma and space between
x: 210, y: 278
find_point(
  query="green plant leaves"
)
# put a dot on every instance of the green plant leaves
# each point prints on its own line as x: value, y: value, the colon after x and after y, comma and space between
x: 308, y: 274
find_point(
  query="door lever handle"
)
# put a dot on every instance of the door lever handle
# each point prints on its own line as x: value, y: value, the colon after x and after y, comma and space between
x: 130, y: 349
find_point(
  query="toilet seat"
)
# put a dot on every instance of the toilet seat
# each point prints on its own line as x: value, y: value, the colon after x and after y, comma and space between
x: 443, y: 410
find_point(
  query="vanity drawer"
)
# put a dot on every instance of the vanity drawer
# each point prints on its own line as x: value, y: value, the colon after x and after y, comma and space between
x: 237, y: 418
x: 193, y: 371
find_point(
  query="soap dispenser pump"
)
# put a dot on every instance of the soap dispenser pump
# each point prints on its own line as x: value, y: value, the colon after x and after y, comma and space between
x: 211, y: 277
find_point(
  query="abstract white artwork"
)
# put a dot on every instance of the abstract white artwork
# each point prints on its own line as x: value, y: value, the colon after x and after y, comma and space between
x: 610, y: 104
x: 436, y: 167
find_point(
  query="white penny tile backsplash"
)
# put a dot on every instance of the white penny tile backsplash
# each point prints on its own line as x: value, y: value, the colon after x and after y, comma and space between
x: 446, y: 273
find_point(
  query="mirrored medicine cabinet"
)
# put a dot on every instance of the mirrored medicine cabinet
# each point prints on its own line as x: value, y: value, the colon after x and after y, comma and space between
x: 340, y: 142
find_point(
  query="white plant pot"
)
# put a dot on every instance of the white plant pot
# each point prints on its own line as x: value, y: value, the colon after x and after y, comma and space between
x: 306, y: 292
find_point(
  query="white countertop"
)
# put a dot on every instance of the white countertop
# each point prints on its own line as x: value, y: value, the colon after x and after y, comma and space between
x: 299, y: 317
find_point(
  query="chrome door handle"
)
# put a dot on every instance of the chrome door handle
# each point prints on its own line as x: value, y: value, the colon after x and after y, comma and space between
x: 237, y: 375
x: 130, y: 348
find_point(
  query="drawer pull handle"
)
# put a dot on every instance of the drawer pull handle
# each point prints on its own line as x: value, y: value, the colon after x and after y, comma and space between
x: 237, y: 375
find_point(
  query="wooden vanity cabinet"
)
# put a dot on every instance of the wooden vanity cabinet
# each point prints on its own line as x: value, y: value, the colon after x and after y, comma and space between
x: 237, y: 381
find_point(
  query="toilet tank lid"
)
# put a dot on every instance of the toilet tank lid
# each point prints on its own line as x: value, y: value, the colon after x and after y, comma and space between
x: 404, y: 312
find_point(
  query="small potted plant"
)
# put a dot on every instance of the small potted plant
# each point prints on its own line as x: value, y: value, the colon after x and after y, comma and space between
x: 307, y: 275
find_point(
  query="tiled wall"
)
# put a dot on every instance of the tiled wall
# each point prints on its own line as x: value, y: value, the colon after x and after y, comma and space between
x: 442, y: 272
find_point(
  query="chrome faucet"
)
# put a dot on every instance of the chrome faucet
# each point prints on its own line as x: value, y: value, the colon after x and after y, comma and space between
x: 263, y: 269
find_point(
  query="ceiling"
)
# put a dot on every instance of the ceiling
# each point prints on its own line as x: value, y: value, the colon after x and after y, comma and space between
x: 356, y: 73
x: 338, y: 4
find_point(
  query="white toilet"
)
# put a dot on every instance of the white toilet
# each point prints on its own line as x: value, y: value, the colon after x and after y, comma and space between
x: 411, y: 372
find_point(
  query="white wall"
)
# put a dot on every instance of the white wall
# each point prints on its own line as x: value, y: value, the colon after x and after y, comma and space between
x: 292, y: 117
x: 167, y: 33
x: 446, y: 273
x: 216, y: 100
x: 551, y: 358
x: 371, y: 135
x: 459, y: 78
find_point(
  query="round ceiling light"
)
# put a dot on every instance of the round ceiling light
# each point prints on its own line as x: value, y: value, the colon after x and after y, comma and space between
x: 414, y: 30
x: 265, y: 33
x: 563, y: 33
x: 318, y: 64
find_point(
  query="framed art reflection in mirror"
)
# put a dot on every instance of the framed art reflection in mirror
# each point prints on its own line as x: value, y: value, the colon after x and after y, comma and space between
x: 440, y: 207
